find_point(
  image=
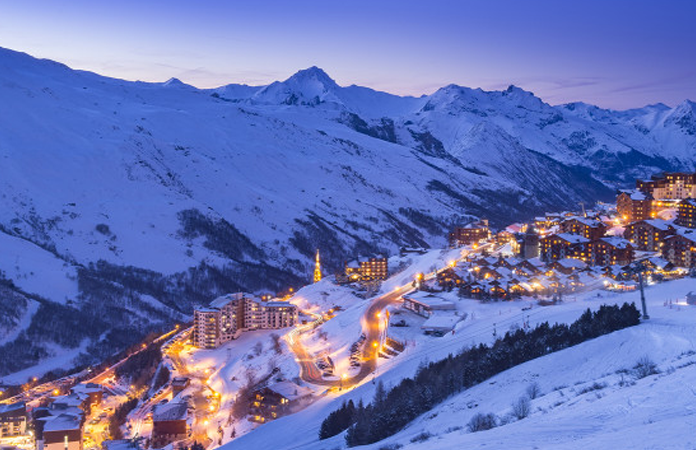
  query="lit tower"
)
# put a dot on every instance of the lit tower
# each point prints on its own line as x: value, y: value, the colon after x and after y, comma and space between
x: 317, y: 268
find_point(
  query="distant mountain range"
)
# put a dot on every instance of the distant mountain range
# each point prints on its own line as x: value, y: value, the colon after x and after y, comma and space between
x: 126, y: 203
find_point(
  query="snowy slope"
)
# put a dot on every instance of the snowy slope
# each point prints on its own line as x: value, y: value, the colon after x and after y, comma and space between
x: 121, y: 194
x: 589, y: 394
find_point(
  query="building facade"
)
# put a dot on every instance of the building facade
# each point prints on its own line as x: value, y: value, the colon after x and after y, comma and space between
x: 611, y: 250
x: 648, y: 235
x: 230, y: 315
x: 680, y: 249
x: 634, y: 205
x: 587, y: 228
x: 13, y: 420
x: 673, y: 185
x: 686, y: 213
x: 470, y: 234
x: 564, y: 245
x: 368, y: 268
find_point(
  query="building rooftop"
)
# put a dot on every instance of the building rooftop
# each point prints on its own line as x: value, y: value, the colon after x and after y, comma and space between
x: 355, y: 263
x: 225, y: 299
x: 86, y: 388
x: 19, y: 407
x: 180, y: 381
x: 616, y: 242
x: 63, y: 422
x: 67, y: 401
x: 573, y: 238
x: 277, y: 304
x: 290, y: 390
x: 572, y: 263
x: 428, y: 299
x: 170, y: 411
x: 441, y: 322
x: 659, y: 224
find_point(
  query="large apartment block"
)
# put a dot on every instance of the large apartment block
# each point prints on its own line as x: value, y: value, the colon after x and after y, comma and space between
x: 675, y: 185
x: 230, y: 315
x: 368, y: 268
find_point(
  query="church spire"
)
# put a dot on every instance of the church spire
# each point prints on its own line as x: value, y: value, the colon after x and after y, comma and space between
x: 317, y: 268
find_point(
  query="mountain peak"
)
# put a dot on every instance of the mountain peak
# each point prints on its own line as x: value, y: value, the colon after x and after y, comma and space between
x: 310, y: 87
x: 312, y: 74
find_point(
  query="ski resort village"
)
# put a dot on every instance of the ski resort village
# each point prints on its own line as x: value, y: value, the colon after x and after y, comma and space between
x: 321, y: 225
x: 554, y: 322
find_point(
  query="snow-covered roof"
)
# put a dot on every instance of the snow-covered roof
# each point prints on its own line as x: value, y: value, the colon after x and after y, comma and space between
x: 68, y: 400
x: 13, y: 407
x: 572, y: 263
x: 86, y: 388
x: 430, y: 300
x: 225, y: 299
x: 573, y: 238
x: 290, y: 390
x: 63, y: 422
x: 585, y: 221
x: 170, y: 411
x: 616, y: 242
x: 441, y: 322
x: 659, y: 224
x: 277, y: 304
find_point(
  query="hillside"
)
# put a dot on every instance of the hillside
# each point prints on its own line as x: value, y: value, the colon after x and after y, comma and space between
x: 127, y: 203
x: 590, y: 394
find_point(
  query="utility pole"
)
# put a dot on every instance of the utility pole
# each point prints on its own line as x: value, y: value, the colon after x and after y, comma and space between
x: 642, y: 296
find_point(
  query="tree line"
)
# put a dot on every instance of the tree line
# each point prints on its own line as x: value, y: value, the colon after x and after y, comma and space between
x: 390, y: 411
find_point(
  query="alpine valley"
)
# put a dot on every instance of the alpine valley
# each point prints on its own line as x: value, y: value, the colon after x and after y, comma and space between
x: 125, y: 204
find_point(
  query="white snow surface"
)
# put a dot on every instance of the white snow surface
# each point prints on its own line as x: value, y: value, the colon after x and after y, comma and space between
x: 589, y: 398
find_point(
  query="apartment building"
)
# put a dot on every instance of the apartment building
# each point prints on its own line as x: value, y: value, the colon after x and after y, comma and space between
x: 230, y: 315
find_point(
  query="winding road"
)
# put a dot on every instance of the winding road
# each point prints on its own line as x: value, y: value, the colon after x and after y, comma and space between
x: 370, y: 321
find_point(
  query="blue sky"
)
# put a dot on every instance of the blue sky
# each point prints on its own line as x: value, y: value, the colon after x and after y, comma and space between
x: 618, y: 54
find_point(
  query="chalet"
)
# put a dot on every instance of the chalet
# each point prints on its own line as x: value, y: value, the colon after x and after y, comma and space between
x: 62, y: 431
x: 273, y: 401
x: 425, y: 303
x: 611, y: 250
x: 680, y: 248
x: 470, y: 234
x: 658, y: 265
x: 686, y: 213
x: 367, y: 268
x: 169, y: 423
x: 564, y: 245
x: 588, y: 228
x: 691, y: 298
x: 179, y: 384
x: 448, y: 278
x: 13, y: 420
x: 508, y: 263
x: 530, y: 267
x: 634, y: 205
x: 567, y: 265
x: 648, y: 235
x: 473, y: 289
x: 92, y: 394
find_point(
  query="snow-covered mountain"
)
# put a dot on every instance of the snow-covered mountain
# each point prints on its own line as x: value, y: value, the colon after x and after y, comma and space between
x: 125, y: 203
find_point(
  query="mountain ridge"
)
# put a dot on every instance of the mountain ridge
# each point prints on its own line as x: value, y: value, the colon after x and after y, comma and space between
x: 159, y: 196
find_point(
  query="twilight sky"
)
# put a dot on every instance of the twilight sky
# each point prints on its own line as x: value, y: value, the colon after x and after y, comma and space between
x: 617, y: 54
